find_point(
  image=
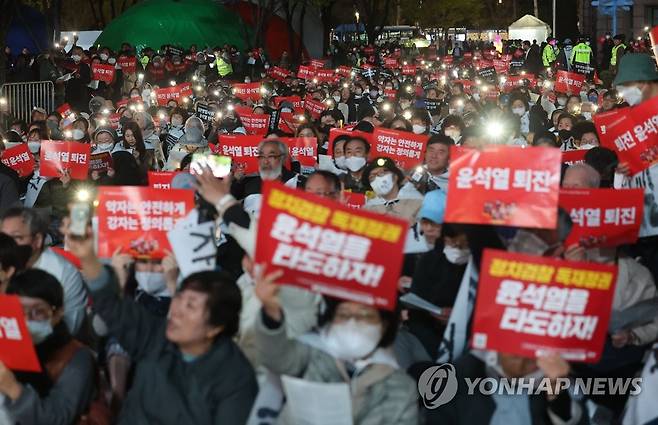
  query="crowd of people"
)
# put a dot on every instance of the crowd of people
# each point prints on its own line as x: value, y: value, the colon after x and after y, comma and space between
x: 130, y: 340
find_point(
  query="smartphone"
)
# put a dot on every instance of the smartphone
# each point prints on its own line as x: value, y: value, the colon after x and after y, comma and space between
x: 219, y: 164
x: 80, y: 215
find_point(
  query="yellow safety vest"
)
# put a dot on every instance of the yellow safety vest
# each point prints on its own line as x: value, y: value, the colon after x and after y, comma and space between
x: 613, y: 59
x: 581, y: 53
x: 223, y: 68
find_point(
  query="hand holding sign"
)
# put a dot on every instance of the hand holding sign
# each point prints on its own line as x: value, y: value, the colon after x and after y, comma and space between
x: 9, y: 386
x: 267, y: 291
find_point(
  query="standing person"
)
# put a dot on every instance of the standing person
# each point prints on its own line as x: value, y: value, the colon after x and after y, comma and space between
x: 581, y: 55
x: 617, y: 52
x: 188, y: 369
x: 77, y: 92
x: 548, y: 55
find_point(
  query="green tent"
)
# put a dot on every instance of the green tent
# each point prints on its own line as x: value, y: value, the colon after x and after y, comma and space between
x: 154, y: 23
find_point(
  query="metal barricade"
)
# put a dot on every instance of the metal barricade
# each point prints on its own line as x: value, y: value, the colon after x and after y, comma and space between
x: 21, y: 98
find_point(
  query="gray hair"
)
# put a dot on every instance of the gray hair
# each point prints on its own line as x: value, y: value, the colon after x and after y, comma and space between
x: 33, y: 219
x: 592, y: 177
x: 282, y: 147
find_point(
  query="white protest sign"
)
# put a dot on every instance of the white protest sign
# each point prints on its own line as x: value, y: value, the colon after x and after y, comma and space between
x: 193, y: 245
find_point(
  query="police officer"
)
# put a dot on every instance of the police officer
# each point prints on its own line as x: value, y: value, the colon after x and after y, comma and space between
x: 548, y: 55
x: 617, y: 51
x: 581, y: 56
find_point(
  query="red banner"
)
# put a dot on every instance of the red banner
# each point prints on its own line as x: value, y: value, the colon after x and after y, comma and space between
x: 574, y: 157
x: 161, y: 179
x: 406, y: 149
x: 164, y: 95
x: 504, y: 185
x: 568, y: 82
x: 295, y: 100
x: 344, y: 71
x: 303, y: 149
x: 447, y: 60
x: 113, y: 120
x: 16, y: 347
x: 255, y: 123
x: 279, y: 73
x: 100, y: 162
x: 137, y: 219
x: 632, y: 133
x: 19, y: 158
x: 329, y: 248
x: 527, y: 304
x: 245, y: 91
x: 327, y: 76
x: 243, y: 150
x: 390, y: 93
x: 354, y: 200
x: 56, y: 156
x: 314, y: 107
x: 390, y: 63
x: 65, y: 110
x: 306, y: 72
x: 103, y: 73
x: 515, y: 81
x: 317, y: 63
x: 603, y: 217
x: 128, y: 64
x: 408, y: 69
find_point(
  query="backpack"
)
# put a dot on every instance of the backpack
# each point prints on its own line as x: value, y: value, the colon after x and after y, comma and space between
x: 98, y: 412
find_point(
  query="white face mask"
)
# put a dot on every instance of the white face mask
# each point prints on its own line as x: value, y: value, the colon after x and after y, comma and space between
x: 150, y: 282
x: 352, y: 340
x: 588, y: 116
x: 587, y: 146
x: 419, y: 129
x: 76, y: 58
x: 104, y: 57
x: 453, y: 134
x: 340, y: 162
x: 146, y: 95
x: 355, y: 163
x: 561, y: 101
x: 39, y: 330
x: 34, y: 147
x: 103, y: 147
x: 632, y: 95
x: 336, y: 99
x: 176, y: 122
x: 518, y: 111
x: 77, y: 134
x: 112, y: 61
x: 456, y: 255
x: 382, y: 185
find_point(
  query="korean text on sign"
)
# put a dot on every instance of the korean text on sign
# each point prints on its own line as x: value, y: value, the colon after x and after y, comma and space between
x: 504, y: 185
x: 527, y: 304
x: 137, y: 219
x: 406, y: 149
x: 329, y: 248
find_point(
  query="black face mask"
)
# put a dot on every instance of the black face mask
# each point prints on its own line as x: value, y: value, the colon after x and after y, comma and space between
x: 564, y: 135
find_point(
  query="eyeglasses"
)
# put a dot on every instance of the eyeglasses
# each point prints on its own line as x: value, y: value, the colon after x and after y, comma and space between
x: 361, y: 316
x: 268, y: 157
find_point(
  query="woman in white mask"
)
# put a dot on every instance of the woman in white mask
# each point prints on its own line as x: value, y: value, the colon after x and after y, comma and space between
x: 519, y: 107
x: 353, y: 346
x: 63, y: 389
x: 356, y: 158
x: 392, y: 195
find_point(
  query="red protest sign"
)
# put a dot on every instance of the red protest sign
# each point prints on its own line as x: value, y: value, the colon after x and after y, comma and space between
x: 573, y: 157
x: 337, y: 132
x: 569, y: 82
x: 100, y: 162
x: 102, y: 72
x: 317, y: 63
x: 314, y: 107
x: 161, y: 179
x: 344, y: 71
x: 246, y: 91
x: 406, y: 149
x: 632, y: 133
x: 447, y: 59
x: 390, y: 93
x: 408, y: 69
x: 504, y: 185
x: 329, y: 248
x: 527, y: 304
x: 137, y: 219
x: 128, y: 64
x: 255, y: 123
x: 56, y: 156
x: 113, y: 120
x: 354, y: 200
x: 180, y: 91
x: 16, y: 348
x: 306, y: 72
x: 603, y: 217
x: 279, y: 73
x: 19, y: 158
x: 303, y: 149
x: 243, y: 151
x: 295, y: 100
x: 326, y: 76
x: 390, y: 63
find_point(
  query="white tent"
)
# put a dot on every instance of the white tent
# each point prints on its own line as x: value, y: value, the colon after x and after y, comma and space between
x: 529, y: 28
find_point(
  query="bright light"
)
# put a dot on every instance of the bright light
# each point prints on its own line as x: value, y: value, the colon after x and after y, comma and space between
x: 460, y: 103
x: 67, y: 39
x: 595, y: 108
x: 547, y: 84
x: 83, y: 195
x: 172, y: 83
x: 102, y: 122
x: 194, y: 78
x: 56, y: 45
x: 404, y: 63
x: 407, y: 115
x: 478, y: 82
x: 418, y: 79
x: 422, y: 62
x: 216, y: 93
x: 443, y: 66
x: 263, y: 90
x: 494, y: 129
x: 503, y: 79
x: 522, y: 72
x: 161, y: 115
x: 485, y: 89
x: 409, y: 89
x: 186, y: 99
x: 301, y: 118
x: 140, y: 107
x: 68, y: 134
x: 140, y: 76
x: 106, y: 111
x: 386, y: 107
x: 329, y: 102
x: 345, y: 85
x: 315, y: 81
x: 230, y: 107
x: 3, y: 101
x: 646, y: 29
